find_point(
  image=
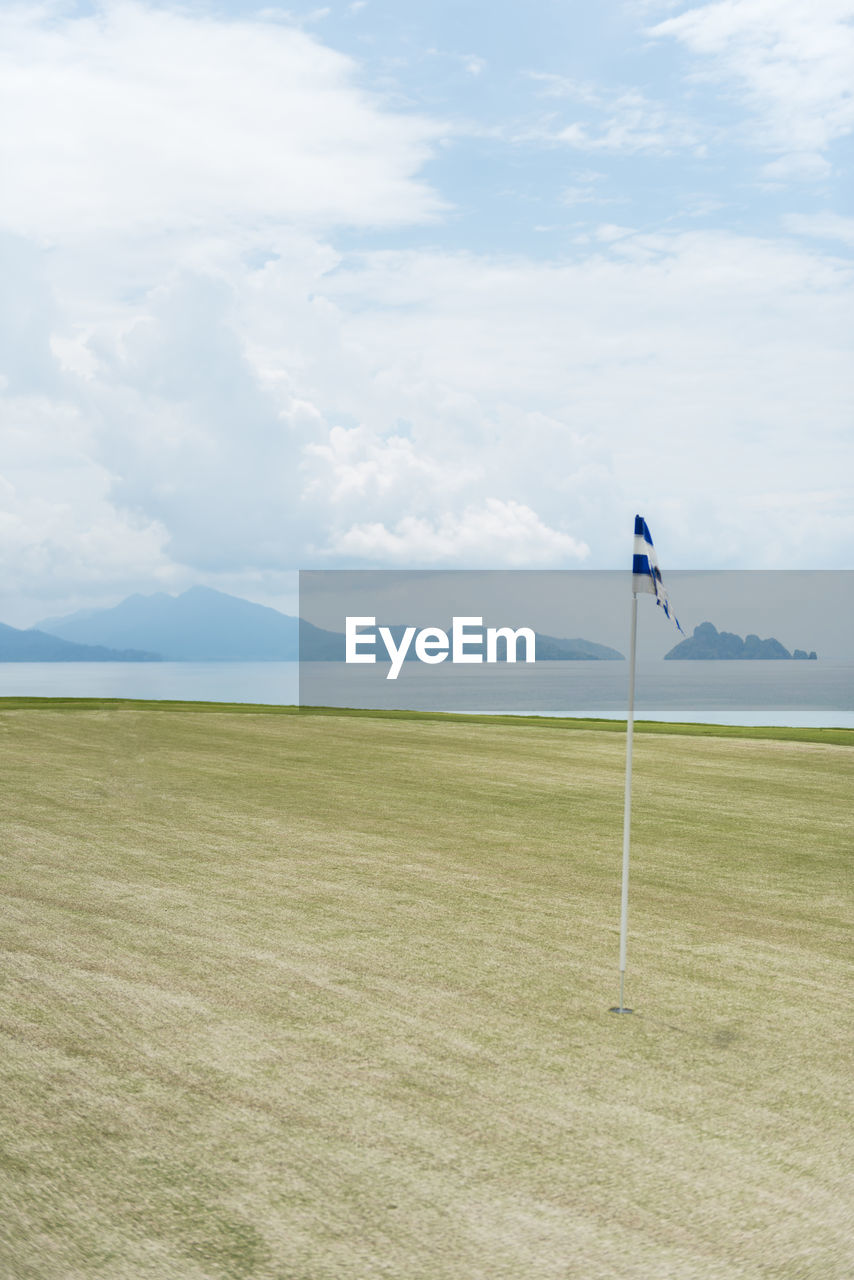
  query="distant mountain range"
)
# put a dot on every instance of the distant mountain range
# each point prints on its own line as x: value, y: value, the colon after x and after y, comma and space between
x: 204, y: 625
x: 707, y: 642
x: 36, y: 646
x: 201, y: 625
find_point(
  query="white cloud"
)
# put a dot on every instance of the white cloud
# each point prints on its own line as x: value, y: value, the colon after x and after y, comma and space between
x: 610, y: 232
x: 355, y: 466
x: 631, y: 123
x: 587, y: 189
x: 58, y: 523
x: 622, y: 120
x: 654, y: 364
x: 493, y: 533
x: 437, y: 407
x: 821, y: 226
x: 576, y: 195
x: 555, y: 86
x: 224, y: 399
x: 792, y: 60
x: 796, y: 166
x: 139, y: 118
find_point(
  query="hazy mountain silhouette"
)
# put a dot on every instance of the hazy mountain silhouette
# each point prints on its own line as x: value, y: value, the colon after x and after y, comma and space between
x: 37, y: 646
x: 201, y: 625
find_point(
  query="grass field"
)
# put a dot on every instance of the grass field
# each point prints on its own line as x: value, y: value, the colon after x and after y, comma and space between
x: 325, y: 997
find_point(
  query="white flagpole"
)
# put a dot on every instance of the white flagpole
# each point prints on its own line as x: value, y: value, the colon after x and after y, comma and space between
x: 627, y: 807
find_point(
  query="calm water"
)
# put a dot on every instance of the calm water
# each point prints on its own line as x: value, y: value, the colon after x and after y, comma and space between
x: 774, y: 693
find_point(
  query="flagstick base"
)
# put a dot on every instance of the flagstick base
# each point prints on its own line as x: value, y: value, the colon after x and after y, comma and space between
x: 620, y: 1009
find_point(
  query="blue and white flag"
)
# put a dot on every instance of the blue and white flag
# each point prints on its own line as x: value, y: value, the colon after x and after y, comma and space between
x: 646, y: 575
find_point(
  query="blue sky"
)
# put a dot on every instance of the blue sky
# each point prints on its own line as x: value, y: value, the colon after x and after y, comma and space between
x: 391, y: 284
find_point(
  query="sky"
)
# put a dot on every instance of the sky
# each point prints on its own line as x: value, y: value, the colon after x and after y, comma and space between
x: 379, y: 284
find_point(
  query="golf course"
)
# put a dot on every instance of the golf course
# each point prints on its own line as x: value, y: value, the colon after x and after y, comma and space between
x: 318, y: 995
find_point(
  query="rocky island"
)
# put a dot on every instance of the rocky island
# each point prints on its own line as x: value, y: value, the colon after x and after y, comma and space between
x: 707, y: 642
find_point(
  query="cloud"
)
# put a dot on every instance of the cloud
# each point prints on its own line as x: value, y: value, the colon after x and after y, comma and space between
x: 622, y: 120
x: 587, y: 190
x: 557, y: 86
x: 430, y: 407
x: 796, y: 166
x: 247, y: 417
x: 493, y: 533
x: 821, y: 226
x: 633, y: 375
x: 59, y: 527
x: 195, y: 435
x: 631, y: 123
x: 356, y: 466
x: 204, y: 386
x: 790, y: 60
x: 136, y: 118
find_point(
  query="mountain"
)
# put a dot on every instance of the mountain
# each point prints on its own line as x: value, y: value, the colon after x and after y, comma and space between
x: 317, y: 645
x: 551, y: 649
x: 36, y: 646
x: 201, y: 625
x: 707, y: 642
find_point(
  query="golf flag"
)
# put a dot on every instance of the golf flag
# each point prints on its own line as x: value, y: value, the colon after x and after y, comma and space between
x: 646, y: 575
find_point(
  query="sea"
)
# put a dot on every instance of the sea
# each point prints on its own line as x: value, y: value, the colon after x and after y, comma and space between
x: 807, y: 693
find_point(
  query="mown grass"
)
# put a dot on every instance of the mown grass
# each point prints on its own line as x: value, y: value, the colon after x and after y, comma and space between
x: 776, y: 733
x: 325, y: 997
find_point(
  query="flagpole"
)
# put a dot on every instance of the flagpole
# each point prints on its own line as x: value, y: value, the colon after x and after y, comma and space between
x: 627, y: 807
